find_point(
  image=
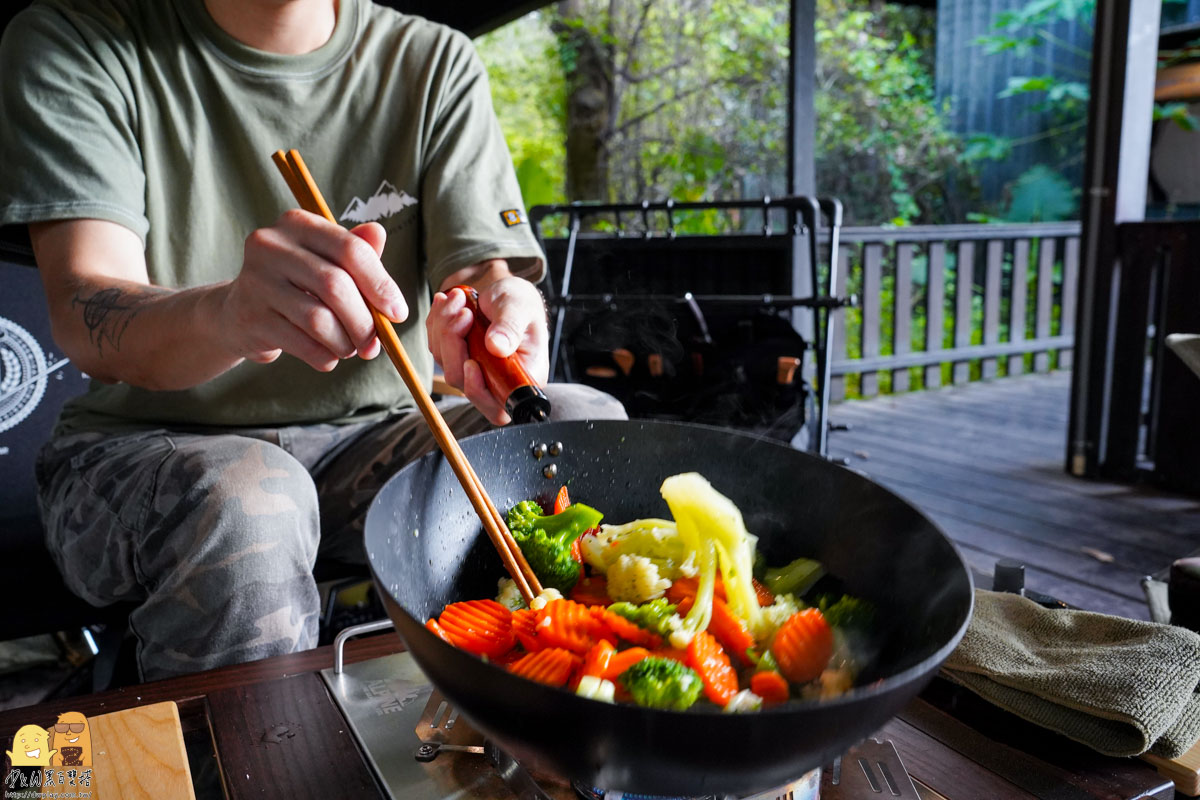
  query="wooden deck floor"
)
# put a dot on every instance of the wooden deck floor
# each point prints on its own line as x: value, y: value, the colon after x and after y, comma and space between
x: 985, y: 460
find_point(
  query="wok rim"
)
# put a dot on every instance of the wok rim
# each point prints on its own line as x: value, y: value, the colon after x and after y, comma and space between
x: 854, y: 695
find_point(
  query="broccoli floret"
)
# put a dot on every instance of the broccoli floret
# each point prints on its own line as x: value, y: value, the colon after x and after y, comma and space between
x: 662, y: 683
x: 847, y: 613
x: 546, y: 540
x: 796, y: 578
x: 657, y: 615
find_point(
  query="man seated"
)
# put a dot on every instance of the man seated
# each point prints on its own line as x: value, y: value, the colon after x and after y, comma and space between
x: 239, y: 420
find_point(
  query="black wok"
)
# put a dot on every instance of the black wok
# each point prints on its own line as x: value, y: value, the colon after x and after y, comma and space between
x: 426, y: 549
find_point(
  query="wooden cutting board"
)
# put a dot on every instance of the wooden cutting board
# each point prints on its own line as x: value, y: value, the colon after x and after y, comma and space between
x: 1184, y: 771
x: 139, y: 753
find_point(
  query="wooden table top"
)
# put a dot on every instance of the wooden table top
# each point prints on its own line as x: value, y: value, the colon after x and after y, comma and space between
x: 277, y: 733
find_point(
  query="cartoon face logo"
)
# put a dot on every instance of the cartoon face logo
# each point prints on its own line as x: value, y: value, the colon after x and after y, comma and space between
x: 73, y: 740
x: 31, y: 747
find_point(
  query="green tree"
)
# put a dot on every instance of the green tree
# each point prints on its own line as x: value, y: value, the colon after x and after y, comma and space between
x: 687, y: 99
x: 882, y: 143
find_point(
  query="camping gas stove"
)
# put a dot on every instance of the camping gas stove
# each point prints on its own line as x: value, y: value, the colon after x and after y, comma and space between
x: 419, y: 748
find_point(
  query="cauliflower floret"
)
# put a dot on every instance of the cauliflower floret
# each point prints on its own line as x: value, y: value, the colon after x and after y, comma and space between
x: 656, y: 539
x: 597, y: 689
x: 546, y: 596
x: 508, y: 595
x: 777, y: 613
x: 832, y: 683
x: 836, y: 682
x: 679, y: 637
x: 635, y: 579
x: 744, y: 702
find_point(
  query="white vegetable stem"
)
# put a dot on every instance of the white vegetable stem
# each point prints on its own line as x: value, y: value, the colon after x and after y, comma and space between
x: 711, y: 525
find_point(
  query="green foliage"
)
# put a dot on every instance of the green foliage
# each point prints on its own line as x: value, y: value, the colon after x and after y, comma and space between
x: 700, y: 92
x: 1041, y: 195
x: 528, y: 92
x: 882, y: 144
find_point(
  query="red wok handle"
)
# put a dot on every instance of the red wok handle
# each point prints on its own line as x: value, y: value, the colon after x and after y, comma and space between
x: 506, y: 378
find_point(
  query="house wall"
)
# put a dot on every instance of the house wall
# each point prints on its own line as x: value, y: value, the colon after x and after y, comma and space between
x: 970, y: 80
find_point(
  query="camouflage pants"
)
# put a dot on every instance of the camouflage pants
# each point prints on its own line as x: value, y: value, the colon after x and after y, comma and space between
x: 215, y: 534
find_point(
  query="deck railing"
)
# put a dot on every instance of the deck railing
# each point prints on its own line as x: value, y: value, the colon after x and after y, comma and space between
x: 952, y: 303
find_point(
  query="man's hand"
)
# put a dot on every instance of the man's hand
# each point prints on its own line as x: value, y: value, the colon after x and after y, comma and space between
x: 518, y: 325
x: 303, y: 290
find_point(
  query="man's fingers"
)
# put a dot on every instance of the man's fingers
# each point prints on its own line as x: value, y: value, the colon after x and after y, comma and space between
x: 318, y: 322
x: 453, y: 345
x: 475, y: 388
x: 373, y: 234
x: 355, y: 252
x: 296, y: 342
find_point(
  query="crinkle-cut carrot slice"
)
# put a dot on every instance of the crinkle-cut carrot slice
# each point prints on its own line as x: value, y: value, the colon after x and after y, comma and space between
x: 803, y: 646
x: 623, y: 660
x: 571, y: 626
x: 482, y: 627
x: 771, y: 686
x: 672, y: 653
x: 627, y: 629
x: 524, y: 624
x: 591, y: 591
x: 561, y: 500
x: 730, y: 631
x: 595, y: 663
x: 765, y: 596
x: 552, y: 666
x: 709, y: 660
x: 432, y: 625
x: 687, y: 587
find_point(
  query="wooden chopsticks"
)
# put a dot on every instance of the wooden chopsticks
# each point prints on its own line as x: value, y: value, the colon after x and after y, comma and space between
x: 305, y: 190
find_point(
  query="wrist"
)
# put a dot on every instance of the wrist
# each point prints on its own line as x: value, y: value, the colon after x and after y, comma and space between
x: 480, y: 275
x: 218, y: 304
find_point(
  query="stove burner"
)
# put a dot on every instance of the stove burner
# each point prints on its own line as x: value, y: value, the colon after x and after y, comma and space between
x: 420, y: 749
x: 591, y: 793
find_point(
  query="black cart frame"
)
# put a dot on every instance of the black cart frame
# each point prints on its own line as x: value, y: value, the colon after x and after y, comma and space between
x: 808, y: 222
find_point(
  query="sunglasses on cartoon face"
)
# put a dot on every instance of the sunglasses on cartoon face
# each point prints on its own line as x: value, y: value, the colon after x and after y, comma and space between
x: 69, y: 727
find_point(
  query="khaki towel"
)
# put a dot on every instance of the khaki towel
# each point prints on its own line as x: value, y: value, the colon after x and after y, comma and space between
x: 1118, y: 685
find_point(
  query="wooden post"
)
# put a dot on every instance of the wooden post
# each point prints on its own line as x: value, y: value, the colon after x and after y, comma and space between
x: 837, y: 326
x: 902, y: 313
x: 994, y: 265
x: 871, y: 290
x: 964, y: 290
x: 1045, y: 299
x: 1070, y: 286
x: 935, y: 303
x: 1121, y: 91
x: 1016, y: 306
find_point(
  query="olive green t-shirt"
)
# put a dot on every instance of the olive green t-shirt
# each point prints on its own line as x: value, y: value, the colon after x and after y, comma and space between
x: 147, y: 114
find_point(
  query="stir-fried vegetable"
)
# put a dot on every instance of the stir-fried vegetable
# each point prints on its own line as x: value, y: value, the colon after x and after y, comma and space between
x: 635, y: 579
x: 657, y: 615
x: 662, y: 683
x: 796, y: 578
x: 711, y: 526
x: 546, y: 540
x: 718, y: 635
x: 655, y: 539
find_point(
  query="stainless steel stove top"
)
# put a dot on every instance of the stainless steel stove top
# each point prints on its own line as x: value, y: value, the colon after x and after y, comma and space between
x: 419, y: 749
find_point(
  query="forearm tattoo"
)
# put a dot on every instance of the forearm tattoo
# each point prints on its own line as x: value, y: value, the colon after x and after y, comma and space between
x: 108, y: 312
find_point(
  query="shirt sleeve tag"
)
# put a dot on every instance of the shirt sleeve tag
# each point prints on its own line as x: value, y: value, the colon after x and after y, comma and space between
x: 513, y: 216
